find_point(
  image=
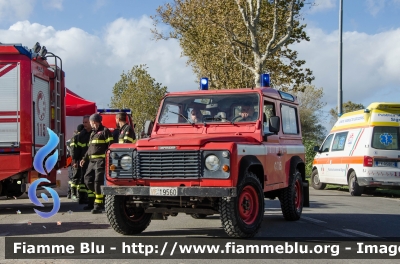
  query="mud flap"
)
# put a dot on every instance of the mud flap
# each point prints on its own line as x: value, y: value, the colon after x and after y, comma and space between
x: 306, y: 194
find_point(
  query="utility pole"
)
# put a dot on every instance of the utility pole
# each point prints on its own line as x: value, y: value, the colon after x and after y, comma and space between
x: 340, y: 91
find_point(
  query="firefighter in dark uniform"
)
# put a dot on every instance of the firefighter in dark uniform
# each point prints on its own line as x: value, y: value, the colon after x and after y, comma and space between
x: 127, y: 134
x: 100, y: 140
x: 82, y: 146
x: 75, y: 159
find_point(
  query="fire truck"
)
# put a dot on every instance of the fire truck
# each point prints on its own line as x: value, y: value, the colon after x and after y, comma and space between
x: 32, y: 100
x: 211, y: 152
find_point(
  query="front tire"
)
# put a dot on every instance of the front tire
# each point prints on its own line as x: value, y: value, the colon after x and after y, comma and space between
x: 126, y: 220
x: 241, y: 216
x: 292, y: 198
x: 354, y: 188
x: 315, y: 181
x: 198, y: 216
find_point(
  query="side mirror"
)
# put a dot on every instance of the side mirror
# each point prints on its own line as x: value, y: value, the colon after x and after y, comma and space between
x: 274, y: 124
x: 148, y: 127
x: 316, y: 149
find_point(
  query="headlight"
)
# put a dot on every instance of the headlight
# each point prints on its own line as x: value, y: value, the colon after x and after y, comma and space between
x: 126, y: 162
x: 212, y: 163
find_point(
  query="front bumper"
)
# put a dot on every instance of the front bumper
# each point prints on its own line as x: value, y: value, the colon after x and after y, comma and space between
x: 370, y: 182
x: 182, y: 191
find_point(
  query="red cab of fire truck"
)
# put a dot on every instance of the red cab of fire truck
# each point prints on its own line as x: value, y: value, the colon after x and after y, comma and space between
x: 201, y: 157
x: 32, y: 100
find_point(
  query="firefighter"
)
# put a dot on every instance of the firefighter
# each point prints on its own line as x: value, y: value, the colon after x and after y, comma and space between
x: 127, y: 134
x: 82, y: 146
x: 100, y: 139
x: 74, y: 153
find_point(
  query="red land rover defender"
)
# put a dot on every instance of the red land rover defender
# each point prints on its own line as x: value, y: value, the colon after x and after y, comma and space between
x: 201, y: 157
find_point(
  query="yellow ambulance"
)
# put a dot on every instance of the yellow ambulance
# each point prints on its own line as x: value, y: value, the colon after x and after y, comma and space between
x: 361, y: 151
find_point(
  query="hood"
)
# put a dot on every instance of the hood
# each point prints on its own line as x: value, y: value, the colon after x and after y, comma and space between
x: 192, y: 140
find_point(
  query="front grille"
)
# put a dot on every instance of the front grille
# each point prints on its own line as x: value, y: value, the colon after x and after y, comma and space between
x: 171, y: 164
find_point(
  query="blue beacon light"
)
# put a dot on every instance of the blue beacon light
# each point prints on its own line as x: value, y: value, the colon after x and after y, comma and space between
x: 204, y: 83
x: 264, y: 80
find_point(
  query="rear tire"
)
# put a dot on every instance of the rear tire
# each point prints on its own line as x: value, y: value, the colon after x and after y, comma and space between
x: 315, y: 181
x: 241, y: 216
x: 126, y: 220
x: 292, y: 198
x: 354, y: 188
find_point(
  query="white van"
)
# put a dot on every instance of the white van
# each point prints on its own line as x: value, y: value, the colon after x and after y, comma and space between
x: 361, y: 151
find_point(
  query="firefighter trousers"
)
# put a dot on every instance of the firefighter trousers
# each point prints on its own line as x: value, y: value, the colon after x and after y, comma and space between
x: 94, y: 179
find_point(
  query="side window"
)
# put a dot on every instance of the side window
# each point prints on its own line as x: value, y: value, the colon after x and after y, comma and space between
x: 268, y: 111
x: 339, y: 141
x: 289, y: 120
x: 326, y: 146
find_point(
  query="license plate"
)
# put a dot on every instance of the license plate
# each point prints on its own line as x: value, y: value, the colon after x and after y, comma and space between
x: 163, y: 191
x: 386, y: 164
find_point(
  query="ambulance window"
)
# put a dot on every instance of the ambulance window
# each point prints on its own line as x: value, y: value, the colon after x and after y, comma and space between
x: 339, y: 141
x: 386, y: 138
x: 325, y: 147
x: 268, y: 111
x: 289, y: 119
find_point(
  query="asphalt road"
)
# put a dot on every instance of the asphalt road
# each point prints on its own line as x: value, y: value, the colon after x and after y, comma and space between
x: 332, y: 214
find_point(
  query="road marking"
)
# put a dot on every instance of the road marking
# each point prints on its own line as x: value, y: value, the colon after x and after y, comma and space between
x: 359, y: 233
x: 313, y: 220
x: 339, y: 233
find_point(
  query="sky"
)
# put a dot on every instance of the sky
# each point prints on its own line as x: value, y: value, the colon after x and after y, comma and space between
x: 99, y: 39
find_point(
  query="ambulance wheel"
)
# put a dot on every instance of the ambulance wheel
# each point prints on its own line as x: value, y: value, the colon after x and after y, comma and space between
x: 354, y: 188
x: 123, y: 219
x: 241, y: 216
x: 292, y: 197
x: 198, y: 216
x: 315, y: 182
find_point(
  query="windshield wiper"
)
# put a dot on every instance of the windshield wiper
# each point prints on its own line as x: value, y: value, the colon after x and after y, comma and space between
x: 182, y: 116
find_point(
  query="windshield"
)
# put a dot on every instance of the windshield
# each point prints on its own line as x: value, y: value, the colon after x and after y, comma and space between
x: 210, y: 108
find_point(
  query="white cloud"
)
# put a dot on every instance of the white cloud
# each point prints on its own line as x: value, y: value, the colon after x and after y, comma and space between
x: 55, y: 4
x: 322, y: 5
x: 94, y: 64
x: 370, y: 65
x: 16, y: 9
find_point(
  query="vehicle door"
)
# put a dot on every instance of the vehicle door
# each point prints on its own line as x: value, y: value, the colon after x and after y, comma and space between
x: 322, y: 158
x: 337, y: 155
x: 273, y: 167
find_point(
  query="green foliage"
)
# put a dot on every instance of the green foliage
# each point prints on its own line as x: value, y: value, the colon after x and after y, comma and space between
x: 310, y: 154
x: 140, y: 92
x: 232, y: 42
x: 311, y: 115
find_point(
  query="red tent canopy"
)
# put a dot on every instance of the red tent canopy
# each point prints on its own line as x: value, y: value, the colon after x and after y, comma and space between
x: 77, y: 106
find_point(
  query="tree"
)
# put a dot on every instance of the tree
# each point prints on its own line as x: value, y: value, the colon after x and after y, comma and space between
x: 233, y: 41
x: 140, y: 92
x: 311, y: 114
x: 347, y: 107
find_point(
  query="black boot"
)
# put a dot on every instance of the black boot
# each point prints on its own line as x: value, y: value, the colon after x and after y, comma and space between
x: 90, y: 205
x: 98, y: 208
x: 74, y: 197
